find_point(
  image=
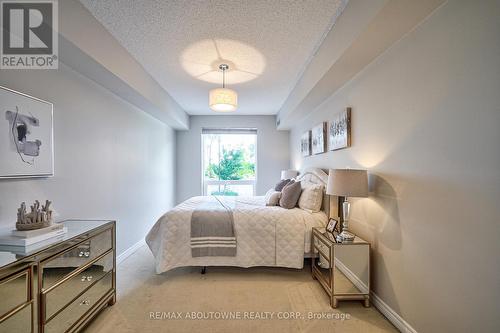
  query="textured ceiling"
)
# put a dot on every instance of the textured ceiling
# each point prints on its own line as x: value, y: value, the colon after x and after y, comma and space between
x: 267, y: 44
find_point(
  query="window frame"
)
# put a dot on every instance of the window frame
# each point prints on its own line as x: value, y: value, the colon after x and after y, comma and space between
x: 222, y: 131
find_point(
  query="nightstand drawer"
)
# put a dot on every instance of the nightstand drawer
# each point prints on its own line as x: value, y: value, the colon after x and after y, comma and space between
x: 71, y: 314
x: 14, y: 291
x: 64, y: 293
x: 322, y: 247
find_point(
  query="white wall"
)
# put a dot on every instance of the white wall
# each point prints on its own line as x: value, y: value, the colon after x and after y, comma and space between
x: 112, y: 160
x: 272, y: 151
x: 426, y: 124
x: 90, y: 49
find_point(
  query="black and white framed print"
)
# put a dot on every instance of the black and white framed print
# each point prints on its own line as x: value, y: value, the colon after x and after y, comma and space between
x: 318, y: 138
x: 332, y: 225
x: 305, y: 143
x: 340, y: 130
x: 26, y: 133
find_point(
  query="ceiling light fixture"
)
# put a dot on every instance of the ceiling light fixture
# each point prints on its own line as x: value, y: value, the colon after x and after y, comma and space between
x: 223, y: 99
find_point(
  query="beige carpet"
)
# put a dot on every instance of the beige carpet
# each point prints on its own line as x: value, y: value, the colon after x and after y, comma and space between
x: 229, y: 291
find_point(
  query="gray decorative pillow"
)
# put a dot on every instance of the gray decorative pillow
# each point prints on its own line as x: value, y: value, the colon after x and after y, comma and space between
x: 290, y: 195
x: 282, y: 183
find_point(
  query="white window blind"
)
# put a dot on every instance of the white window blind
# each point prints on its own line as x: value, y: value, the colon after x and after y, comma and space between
x: 229, y: 131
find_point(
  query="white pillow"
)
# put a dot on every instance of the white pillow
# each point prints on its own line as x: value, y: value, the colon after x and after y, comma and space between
x: 272, y: 197
x: 311, y: 197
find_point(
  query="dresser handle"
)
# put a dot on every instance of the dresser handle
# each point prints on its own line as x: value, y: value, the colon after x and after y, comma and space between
x: 86, y: 278
x: 85, y: 302
x: 84, y: 254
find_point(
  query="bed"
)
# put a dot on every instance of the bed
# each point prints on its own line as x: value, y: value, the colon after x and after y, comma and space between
x: 266, y: 236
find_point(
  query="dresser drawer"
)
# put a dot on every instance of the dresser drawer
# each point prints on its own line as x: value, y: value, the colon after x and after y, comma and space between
x: 20, y: 322
x: 56, y: 268
x: 65, y: 319
x: 14, y: 291
x: 64, y: 293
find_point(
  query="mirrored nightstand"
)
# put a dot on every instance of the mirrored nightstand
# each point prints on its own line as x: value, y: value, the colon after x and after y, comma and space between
x: 342, y: 269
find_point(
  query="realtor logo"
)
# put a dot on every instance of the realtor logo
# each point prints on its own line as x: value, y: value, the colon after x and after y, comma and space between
x: 29, y: 38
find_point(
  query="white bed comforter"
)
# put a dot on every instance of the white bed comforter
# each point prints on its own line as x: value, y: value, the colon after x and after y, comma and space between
x: 266, y: 236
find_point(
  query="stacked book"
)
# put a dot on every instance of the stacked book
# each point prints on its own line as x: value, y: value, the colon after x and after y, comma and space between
x: 29, y: 237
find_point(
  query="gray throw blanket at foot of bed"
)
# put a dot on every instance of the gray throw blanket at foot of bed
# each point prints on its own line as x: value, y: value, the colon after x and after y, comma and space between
x: 212, y: 229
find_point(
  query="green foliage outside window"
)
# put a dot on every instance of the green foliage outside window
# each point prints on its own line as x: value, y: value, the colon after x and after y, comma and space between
x: 232, y: 166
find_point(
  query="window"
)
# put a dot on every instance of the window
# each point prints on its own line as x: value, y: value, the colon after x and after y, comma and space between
x: 229, y: 161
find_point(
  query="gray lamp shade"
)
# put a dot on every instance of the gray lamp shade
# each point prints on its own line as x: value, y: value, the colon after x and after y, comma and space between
x: 289, y: 174
x: 347, y: 183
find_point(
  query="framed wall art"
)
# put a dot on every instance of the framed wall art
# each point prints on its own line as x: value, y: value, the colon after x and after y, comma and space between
x: 318, y: 138
x: 305, y: 143
x: 340, y: 130
x: 26, y: 132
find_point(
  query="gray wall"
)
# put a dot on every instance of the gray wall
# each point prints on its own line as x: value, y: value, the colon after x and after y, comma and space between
x: 111, y: 159
x: 426, y: 124
x: 272, y: 151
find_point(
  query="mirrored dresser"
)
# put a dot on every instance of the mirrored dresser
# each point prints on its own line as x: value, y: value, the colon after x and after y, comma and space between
x: 60, y: 284
x: 342, y: 269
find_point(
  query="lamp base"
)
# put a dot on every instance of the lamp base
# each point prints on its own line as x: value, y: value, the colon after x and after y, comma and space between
x: 345, y: 236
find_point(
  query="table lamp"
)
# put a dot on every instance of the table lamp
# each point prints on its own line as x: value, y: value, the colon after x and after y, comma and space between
x: 347, y: 183
x: 289, y: 174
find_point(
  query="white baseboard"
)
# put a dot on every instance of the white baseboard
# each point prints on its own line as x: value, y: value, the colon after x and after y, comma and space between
x: 385, y: 309
x: 390, y: 314
x: 128, y: 252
